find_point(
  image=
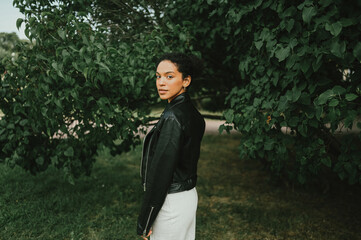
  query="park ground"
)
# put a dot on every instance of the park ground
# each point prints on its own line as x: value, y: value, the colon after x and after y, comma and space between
x: 238, y: 200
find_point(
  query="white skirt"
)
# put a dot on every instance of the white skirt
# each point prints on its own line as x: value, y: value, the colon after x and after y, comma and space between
x: 177, y: 218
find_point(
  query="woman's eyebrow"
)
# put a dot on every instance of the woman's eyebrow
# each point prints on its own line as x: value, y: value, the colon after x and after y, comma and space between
x: 165, y: 72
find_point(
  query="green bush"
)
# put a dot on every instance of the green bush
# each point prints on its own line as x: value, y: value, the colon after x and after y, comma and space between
x: 70, y: 91
x: 278, y: 65
x: 283, y: 66
x: 300, y: 70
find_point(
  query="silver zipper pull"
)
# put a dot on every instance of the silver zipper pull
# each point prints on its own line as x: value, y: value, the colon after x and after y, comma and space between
x: 144, y: 186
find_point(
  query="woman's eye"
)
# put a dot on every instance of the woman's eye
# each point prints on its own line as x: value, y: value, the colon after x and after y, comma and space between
x: 157, y: 76
x: 169, y: 76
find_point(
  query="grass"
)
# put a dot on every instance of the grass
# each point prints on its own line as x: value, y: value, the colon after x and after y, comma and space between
x: 237, y: 200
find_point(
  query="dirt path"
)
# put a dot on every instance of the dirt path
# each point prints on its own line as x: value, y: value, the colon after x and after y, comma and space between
x: 213, y: 125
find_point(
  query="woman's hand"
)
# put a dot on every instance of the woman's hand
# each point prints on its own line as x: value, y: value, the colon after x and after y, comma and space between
x: 146, y: 238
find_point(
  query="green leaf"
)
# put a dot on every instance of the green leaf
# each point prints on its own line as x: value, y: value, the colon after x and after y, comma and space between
x: 19, y: 22
x: 40, y: 161
x: 57, y: 102
x: 338, y: 90
x: 55, y: 66
x: 290, y: 25
x: 229, y: 115
x: 338, y: 49
x: 319, y: 111
x: 334, y: 28
x: 54, y: 160
x: 357, y: 51
x: 282, y: 53
x: 23, y: 122
x: 61, y: 34
x: 257, y: 102
x: 104, y: 66
x: 269, y: 144
x: 293, y: 121
x: 325, y: 3
x: 258, y: 44
x: 308, y: 13
x: 291, y: 61
x: 69, y: 152
x: 324, y: 97
x: 182, y: 37
x: 301, y: 178
x: 27, y: 33
x: 289, y: 95
x: 282, y: 104
x: 305, y: 65
x: 296, y: 94
x: 221, y: 128
x: 350, y: 97
x: 70, y: 179
x: 302, y: 129
x: 326, y: 161
x: 32, y: 20
x: 333, y: 103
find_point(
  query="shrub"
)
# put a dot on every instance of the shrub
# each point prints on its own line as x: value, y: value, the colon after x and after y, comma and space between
x: 70, y: 91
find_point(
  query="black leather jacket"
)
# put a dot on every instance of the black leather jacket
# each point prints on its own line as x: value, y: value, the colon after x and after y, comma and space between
x: 170, y: 156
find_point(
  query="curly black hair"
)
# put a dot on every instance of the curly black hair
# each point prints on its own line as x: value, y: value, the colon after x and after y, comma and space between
x: 187, y: 64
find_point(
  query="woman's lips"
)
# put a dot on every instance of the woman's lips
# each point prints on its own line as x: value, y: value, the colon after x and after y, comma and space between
x: 162, y: 91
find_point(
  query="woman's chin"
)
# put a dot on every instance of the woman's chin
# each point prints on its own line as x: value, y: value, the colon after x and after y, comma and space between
x: 163, y: 97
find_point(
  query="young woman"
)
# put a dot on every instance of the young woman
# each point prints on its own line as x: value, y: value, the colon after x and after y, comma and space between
x: 170, y: 156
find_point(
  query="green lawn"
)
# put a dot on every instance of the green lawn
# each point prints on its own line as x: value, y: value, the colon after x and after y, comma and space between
x: 237, y: 201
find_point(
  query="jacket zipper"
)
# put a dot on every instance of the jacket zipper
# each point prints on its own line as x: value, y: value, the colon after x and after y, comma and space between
x: 146, y: 226
x: 146, y: 165
x: 141, y: 160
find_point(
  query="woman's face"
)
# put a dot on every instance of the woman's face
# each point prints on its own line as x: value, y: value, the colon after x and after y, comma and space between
x: 170, y: 82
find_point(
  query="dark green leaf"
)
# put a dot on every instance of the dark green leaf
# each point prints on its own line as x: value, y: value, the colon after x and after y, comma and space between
x: 69, y: 152
x: 229, y: 115
x: 61, y: 33
x: 350, y: 97
x: 334, y: 28
x: 308, y: 13
x: 357, y: 51
x: 19, y: 21
x: 325, y: 96
x: 326, y: 161
x: 290, y: 25
x: 104, y: 66
x: 333, y: 103
x: 258, y: 44
x: 282, y: 53
x: 296, y: 93
x: 338, y: 90
x: 337, y: 48
x: 269, y: 144
x: 40, y: 161
x: 23, y: 122
x: 293, y: 121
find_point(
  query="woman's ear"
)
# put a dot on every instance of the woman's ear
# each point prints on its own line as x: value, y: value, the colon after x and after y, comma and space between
x: 187, y: 81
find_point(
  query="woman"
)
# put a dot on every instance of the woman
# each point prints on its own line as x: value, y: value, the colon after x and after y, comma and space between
x: 170, y: 155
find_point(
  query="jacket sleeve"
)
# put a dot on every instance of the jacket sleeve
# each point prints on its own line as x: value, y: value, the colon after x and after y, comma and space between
x: 160, y: 173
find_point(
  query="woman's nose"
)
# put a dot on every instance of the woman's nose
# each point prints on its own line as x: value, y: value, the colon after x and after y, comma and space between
x: 161, y: 81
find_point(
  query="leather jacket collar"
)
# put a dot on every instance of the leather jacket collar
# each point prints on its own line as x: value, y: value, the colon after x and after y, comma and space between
x: 178, y: 99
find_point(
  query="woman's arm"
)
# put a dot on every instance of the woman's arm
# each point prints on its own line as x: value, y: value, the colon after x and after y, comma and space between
x: 160, y: 172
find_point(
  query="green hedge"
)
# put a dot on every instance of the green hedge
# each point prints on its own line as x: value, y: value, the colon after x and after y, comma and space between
x: 301, y: 71
x: 277, y: 64
x: 70, y: 91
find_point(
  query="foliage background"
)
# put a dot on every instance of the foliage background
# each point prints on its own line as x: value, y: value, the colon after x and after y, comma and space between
x: 279, y: 66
